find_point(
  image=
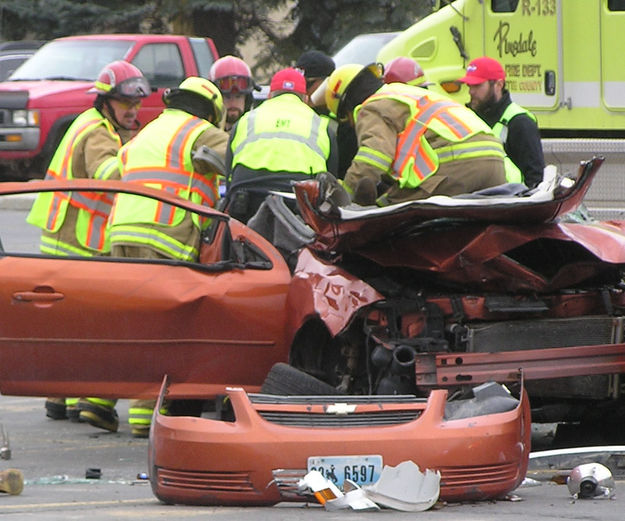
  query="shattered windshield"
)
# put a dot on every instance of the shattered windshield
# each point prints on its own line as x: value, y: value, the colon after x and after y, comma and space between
x: 71, y: 60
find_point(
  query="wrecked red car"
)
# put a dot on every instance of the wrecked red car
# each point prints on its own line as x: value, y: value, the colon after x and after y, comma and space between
x: 468, y: 289
x: 397, y: 304
x: 441, y: 292
x: 445, y: 293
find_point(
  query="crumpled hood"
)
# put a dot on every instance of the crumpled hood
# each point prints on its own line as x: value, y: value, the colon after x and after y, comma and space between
x: 519, y: 244
x: 349, y: 227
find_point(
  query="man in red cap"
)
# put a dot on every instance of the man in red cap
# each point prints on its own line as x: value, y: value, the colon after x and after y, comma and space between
x: 280, y: 141
x: 513, y: 124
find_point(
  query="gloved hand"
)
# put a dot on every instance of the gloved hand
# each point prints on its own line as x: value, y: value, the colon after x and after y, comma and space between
x: 366, y: 192
x: 331, y: 194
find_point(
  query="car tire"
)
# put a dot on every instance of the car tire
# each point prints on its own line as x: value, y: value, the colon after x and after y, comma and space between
x: 286, y: 380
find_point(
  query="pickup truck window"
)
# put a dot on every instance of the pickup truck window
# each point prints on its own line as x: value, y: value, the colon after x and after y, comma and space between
x: 203, y: 56
x: 72, y: 60
x: 161, y: 64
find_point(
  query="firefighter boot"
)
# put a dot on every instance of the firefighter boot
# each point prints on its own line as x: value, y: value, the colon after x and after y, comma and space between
x: 72, y: 410
x: 140, y: 417
x: 55, y: 408
x: 99, y: 412
x: 11, y: 481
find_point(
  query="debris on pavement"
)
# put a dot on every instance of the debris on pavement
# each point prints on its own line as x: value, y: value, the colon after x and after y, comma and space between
x: 5, y: 446
x: 556, y: 465
x: 588, y: 472
x: 403, y: 488
x: 93, y: 473
x: 591, y: 480
x: 331, y: 497
x: 11, y: 481
x: 353, y: 497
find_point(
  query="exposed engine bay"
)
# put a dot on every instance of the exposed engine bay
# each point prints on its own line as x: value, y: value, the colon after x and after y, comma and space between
x: 400, y: 289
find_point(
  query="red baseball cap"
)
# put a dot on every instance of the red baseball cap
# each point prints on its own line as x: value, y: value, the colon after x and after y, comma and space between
x: 289, y: 79
x: 483, y: 69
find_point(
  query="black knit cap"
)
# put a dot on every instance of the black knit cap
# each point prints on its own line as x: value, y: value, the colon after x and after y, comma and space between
x: 315, y: 64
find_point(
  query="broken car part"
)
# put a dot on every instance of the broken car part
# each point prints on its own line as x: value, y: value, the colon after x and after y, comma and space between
x: 591, y: 480
x: 256, y: 451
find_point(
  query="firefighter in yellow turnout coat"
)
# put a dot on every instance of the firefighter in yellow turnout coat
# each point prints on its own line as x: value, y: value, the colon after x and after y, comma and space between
x: 412, y: 143
x: 74, y: 223
x: 164, y: 154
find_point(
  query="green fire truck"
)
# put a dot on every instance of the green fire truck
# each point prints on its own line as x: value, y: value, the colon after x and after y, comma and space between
x: 564, y: 60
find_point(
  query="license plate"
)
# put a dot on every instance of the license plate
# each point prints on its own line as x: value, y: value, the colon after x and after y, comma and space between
x: 363, y: 470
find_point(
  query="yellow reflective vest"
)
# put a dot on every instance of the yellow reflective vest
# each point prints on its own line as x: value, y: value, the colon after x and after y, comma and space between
x: 49, y: 211
x: 160, y: 157
x: 415, y: 159
x: 282, y: 135
x: 513, y: 174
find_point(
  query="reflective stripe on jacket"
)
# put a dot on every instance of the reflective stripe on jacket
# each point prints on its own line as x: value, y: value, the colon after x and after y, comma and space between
x: 282, y: 135
x: 50, y: 208
x: 415, y: 159
x: 160, y: 157
x: 513, y: 174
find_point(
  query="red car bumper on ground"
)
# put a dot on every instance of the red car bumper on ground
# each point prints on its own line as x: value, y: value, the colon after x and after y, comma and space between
x: 256, y: 454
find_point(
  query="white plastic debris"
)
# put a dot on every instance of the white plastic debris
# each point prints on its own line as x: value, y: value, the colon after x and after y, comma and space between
x: 328, y: 494
x: 322, y: 488
x: 405, y: 488
x: 354, y: 497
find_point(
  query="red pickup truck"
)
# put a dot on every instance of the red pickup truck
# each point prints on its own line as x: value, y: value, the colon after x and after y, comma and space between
x: 42, y: 97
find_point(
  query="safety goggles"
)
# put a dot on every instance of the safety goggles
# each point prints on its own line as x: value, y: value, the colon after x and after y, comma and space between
x: 235, y: 83
x: 133, y: 88
x: 128, y: 103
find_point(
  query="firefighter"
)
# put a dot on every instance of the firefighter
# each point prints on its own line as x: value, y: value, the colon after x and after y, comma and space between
x: 513, y: 124
x: 280, y: 141
x: 234, y: 79
x: 316, y: 67
x: 170, y: 152
x: 74, y: 223
x: 167, y: 146
x: 413, y: 143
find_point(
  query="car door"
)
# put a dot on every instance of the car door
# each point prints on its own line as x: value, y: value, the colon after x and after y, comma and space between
x: 113, y: 327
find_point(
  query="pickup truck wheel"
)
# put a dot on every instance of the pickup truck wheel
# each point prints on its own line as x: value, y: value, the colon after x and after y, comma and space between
x: 284, y: 380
